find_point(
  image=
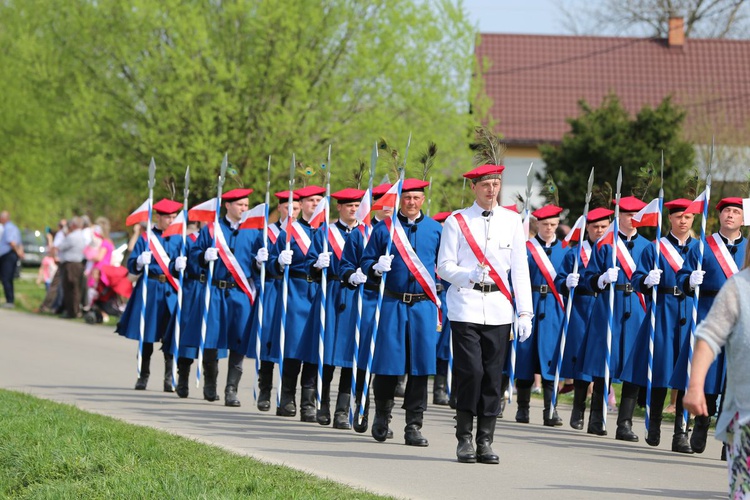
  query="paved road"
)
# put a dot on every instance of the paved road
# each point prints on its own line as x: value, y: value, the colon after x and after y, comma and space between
x: 94, y: 369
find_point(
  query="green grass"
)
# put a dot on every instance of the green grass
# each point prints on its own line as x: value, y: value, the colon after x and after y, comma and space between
x: 29, y: 295
x: 51, y: 450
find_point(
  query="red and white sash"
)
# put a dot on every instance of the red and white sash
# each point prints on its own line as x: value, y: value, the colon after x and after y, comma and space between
x: 628, y: 266
x: 671, y: 254
x: 230, y: 261
x: 336, y: 240
x: 585, y: 253
x: 273, y: 233
x: 545, y: 267
x: 162, y: 259
x: 723, y: 257
x: 501, y: 280
x: 300, y: 236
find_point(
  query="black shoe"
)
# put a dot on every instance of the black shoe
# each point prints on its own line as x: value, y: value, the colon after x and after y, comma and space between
x: 700, y: 434
x: 440, y: 391
x: 341, y: 414
x: 653, y: 437
x: 323, y: 416
x: 522, y: 415
x: 141, y: 383
x: 555, y: 421
x: 361, y: 427
x: 625, y: 433
x: 681, y: 443
x: 234, y: 375
x: 307, y: 412
x: 465, y: 452
x: 596, y: 428
x: 382, y: 414
x: 412, y: 432
x: 264, y: 400
x: 485, y: 436
x: 288, y: 409
x: 209, y: 394
x: 576, y: 419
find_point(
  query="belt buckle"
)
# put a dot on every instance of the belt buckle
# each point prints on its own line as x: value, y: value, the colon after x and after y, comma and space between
x: 543, y: 289
x: 162, y: 278
x: 628, y: 288
x: 221, y: 284
x: 486, y: 287
x: 202, y: 279
x: 676, y: 291
x: 408, y: 298
x: 309, y: 278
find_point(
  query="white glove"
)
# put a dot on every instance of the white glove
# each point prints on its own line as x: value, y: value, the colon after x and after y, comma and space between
x: 653, y: 278
x: 571, y: 280
x: 211, y: 254
x: 143, y: 259
x: 609, y: 276
x: 696, y: 278
x: 523, y: 329
x: 180, y: 263
x: 479, y: 274
x: 261, y: 256
x: 383, y: 265
x: 285, y: 257
x: 324, y: 260
x: 357, y: 278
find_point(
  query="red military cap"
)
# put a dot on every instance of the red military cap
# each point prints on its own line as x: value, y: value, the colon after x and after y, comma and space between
x: 380, y: 190
x: 414, y: 185
x: 283, y: 196
x: 678, y: 205
x: 512, y: 208
x: 348, y: 195
x: 310, y: 191
x: 547, y: 212
x: 166, y: 207
x: 236, y: 194
x: 598, y: 214
x: 630, y: 204
x: 729, y: 202
x: 441, y: 216
x: 484, y: 172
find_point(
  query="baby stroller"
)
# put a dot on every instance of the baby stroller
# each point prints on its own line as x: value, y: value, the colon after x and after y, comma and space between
x: 110, y: 295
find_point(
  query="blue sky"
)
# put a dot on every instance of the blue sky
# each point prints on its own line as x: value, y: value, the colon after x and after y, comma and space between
x: 528, y: 16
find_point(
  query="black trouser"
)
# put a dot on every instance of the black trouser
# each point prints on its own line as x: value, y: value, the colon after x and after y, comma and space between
x: 415, y: 397
x: 8, y: 264
x: 442, y: 367
x: 72, y: 287
x: 309, y: 372
x: 478, y: 360
x: 345, y: 378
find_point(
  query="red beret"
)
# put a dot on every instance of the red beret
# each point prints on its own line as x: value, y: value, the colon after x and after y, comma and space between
x: 165, y: 206
x: 414, y: 185
x: 678, y: 205
x: 512, y: 208
x: 283, y: 196
x: 310, y: 191
x: 630, y: 204
x: 729, y: 202
x: 598, y: 214
x: 547, y: 212
x: 236, y: 194
x: 379, y: 191
x: 441, y: 216
x: 348, y: 195
x: 484, y: 171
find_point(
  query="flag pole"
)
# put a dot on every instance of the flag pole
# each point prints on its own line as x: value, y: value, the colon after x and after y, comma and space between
x: 324, y: 283
x: 285, y: 281
x: 178, y: 311
x: 144, y: 282
x: 262, y: 292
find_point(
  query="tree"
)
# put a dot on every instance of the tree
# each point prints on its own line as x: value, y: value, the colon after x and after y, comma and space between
x: 606, y: 138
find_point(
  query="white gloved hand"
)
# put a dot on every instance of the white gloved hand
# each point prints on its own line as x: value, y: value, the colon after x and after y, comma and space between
x: 143, y: 259
x: 180, y: 263
x: 324, y: 260
x: 357, y: 278
x: 653, y: 278
x: 261, y: 256
x: 609, y: 276
x: 696, y: 278
x: 479, y: 274
x: 211, y: 254
x: 523, y: 328
x: 383, y: 265
x: 285, y: 257
x: 571, y: 280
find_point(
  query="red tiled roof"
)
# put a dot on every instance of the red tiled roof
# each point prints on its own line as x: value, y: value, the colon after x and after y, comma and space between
x: 536, y: 81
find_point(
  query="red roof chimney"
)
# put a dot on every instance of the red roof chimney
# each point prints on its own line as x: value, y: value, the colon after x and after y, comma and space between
x: 676, y: 36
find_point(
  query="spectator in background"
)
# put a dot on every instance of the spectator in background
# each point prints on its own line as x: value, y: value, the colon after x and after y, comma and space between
x: 47, y: 270
x: 71, y: 257
x: 11, y: 250
x: 53, y: 300
x: 98, y: 254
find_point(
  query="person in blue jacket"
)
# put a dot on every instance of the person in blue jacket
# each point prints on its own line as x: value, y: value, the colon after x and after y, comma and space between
x: 440, y: 386
x: 161, y: 296
x: 629, y: 312
x: 673, y: 311
x: 722, y: 257
x: 407, y: 331
x: 597, y: 221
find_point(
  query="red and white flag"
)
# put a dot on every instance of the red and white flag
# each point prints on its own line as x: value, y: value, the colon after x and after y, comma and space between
x: 204, y: 212
x: 746, y: 211
x: 176, y: 226
x: 140, y: 214
x: 363, y: 211
x: 319, y: 215
x: 575, y: 232
x: 253, y: 218
x: 648, y: 215
x: 607, y: 238
x: 390, y: 197
x: 697, y: 206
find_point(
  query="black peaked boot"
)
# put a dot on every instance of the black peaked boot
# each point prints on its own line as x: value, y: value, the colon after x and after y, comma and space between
x: 700, y: 434
x: 548, y: 387
x: 307, y: 412
x: 341, y: 415
x: 523, y: 398
x: 680, y: 440
x: 234, y: 374
x: 183, y: 377
x: 210, y: 374
x: 596, y: 415
x: 323, y: 416
x: 142, y: 382
x: 440, y: 391
x: 465, y: 450
x: 287, y: 405
x: 168, y: 360
x: 265, y: 384
x: 625, y: 420
x: 361, y: 427
x: 412, y: 434
x: 383, y: 409
x: 485, y: 436
x: 579, y: 406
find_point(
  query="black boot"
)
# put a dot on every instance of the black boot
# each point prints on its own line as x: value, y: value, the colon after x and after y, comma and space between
x: 625, y: 420
x: 287, y: 405
x: 307, y: 411
x: 168, y: 360
x: 361, y: 426
x: 548, y: 386
x: 210, y: 374
x: 440, y: 391
x: 680, y: 440
x: 700, y: 434
x: 523, y: 398
x: 183, y: 377
x: 658, y: 395
x: 383, y: 409
x: 596, y: 415
x: 142, y: 382
x: 412, y: 434
x: 579, y: 406
x: 233, y: 381
x: 323, y: 416
x: 341, y: 415
x: 465, y: 449
x: 485, y: 436
x: 265, y: 384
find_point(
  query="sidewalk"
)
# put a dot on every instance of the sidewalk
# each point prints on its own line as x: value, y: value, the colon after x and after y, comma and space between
x: 94, y: 369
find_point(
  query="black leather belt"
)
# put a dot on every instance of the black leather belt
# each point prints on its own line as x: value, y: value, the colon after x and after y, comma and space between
x: 161, y: 278
x: 671, y: 290
x: 407, y: 298
x: 371, y: 286
x: 224, y: 284
x: 303, y: 276
x: 543, y: 289
x: 332, y: 277
x: 708, y: 293
x: 273, y: 277
x: 626, y: 287
x: 201, y: 278
x: 585, y: 292
x: 486, y: 287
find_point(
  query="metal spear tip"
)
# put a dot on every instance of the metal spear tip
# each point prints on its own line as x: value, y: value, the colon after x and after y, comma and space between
x: 224, y: 165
